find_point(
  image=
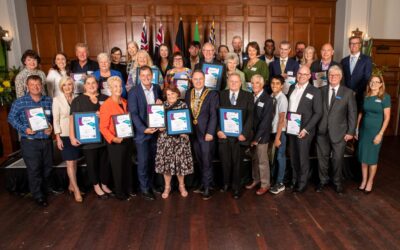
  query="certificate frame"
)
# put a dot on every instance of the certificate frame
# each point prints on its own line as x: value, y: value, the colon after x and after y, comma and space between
x: 170, y: 115
x: 183, y: 92
x: 115, y: 121
x: 77, y: 117
x: 40, y: 114
x: 223, y: 116
x: 154, y: 80
x: 150, y: 108
x: 293, y: 126
x: 207, y: 67
x: 320, y: 79
x: 79, y: 79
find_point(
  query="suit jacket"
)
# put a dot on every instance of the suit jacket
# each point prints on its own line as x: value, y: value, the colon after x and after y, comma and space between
x: 262, y: 118
x: 245, y: 102
x: 262, y: 58
x: 358, y: 80
x: 223, y: 80
x: 137, y: 106
x: 61, y: 114
x: 208, y: 117
x: 275, y: 67
x: 296, y: 59
x: 309, y: 107
x: 245, y: 58
x: 340, y: 118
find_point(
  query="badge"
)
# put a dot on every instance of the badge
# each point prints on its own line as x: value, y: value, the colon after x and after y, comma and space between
x: 260, y: 104
x: 309, y: 96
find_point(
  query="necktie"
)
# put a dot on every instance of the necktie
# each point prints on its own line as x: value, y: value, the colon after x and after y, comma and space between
x: 196, y: 101
x: 233, y: 99
x: 352, y: 64
x: 240, y: 60
x: 283, y: 66
x: 333, y: 97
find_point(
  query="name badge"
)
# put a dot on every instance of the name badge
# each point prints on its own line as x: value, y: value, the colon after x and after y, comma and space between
x: 47, y: 112
x: 290, y: 73
x: 89, y: 72
x: 253, y: 69
x: 378, y: 100
x: 260, y: 104
x: 338, y: 97
x: 309, y: 96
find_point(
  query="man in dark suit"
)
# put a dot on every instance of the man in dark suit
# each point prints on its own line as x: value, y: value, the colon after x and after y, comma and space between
x: 145, y: 138
x: 203, y: 104
x: 208, y: 51
x: 285, y: 66
x: 83, y: 64
x: 262, y: 126
x: 304, y: 99
x: 357, y: 69
x: 237, y: 45
x: 269, y: 52
x: 336, y: 127
x: 299, y: 50
x: 231, y: 149
x: 326, y: 61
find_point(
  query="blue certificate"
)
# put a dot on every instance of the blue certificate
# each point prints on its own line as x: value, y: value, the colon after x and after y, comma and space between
x: 231, y: 121
x: 178, y: 122
x: 213, y: 74
x: 86, y: 125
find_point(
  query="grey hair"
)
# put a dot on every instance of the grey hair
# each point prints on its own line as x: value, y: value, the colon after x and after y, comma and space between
x: 103, y: 55
x: 258, y: 77
x: 231, y: 56
x: 337, y: 69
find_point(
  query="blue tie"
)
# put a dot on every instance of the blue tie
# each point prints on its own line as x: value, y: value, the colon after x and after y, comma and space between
x: 233, y: 99
x: 352, y: 64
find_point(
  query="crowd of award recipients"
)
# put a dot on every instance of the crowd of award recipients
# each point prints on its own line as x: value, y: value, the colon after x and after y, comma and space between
x: 179, y: 110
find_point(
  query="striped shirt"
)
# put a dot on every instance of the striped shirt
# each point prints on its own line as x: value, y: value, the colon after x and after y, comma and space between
x: 17, y: 117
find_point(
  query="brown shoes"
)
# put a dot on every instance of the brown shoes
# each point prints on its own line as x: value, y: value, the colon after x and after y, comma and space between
x: 252, y: 185
x: 261, y: 191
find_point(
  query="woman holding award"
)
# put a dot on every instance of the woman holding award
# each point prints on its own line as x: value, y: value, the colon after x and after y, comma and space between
x: 179, y: 76
x: 95, y: 153
x: 69, y: 153
x: 254, y: 65
x: 116, y: 127
x: 174, y: 156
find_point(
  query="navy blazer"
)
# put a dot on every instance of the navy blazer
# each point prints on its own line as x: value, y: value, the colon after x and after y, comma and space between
x: 262, y: 121
x: 358, y: 80
x: 137, y: 106
x: 275, y: 67
x: 208, y: 117
x: 310, y: 107
x: 262, y: 58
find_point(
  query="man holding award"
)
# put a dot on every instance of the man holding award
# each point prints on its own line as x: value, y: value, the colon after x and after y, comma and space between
x: 336, y: 127
x: 145, y: 138
x: 203, y: 104
x: 305, y: 110
x: 31, y: 116
x: 234, y: 131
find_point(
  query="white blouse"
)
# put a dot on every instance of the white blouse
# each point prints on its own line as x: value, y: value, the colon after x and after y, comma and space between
x: 53, y: 82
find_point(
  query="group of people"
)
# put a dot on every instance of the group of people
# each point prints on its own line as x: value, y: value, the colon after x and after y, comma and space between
x: 336, y: 102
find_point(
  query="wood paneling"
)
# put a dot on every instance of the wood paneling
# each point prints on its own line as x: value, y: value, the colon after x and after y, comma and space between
x: 57, y: 25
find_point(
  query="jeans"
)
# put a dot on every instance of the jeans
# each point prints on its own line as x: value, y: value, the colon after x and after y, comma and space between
x: 281, y: 158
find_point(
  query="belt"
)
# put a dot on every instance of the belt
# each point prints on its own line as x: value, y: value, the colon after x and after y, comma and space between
x: 35, y: 139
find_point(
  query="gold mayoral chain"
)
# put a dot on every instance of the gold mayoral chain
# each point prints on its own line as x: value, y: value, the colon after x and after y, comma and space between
x: 196, y: 113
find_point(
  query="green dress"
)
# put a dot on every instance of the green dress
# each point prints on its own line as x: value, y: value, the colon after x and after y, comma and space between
x: 371, y: 124
x: 260, y: 67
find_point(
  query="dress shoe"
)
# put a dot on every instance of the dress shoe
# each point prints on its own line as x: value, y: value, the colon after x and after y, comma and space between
x: 299, y: 190
x: 111, y: 194
x: 148, y: 196
x: 339, y: 189
x: 54, y: 191
x: 132, y: 194
x: 361, y: 189
x: 225, y: 188
x: 198, y: 190
x: 236, y: 194
x: 291, y: 186
x: 367, y: 191
x: 102, y: 196
x: 320, y: 188
x: 122, y: 197
x: 158, y: 190
x: 206, y: 195
x: 261, y: 191
x: 252, y: 185
x: 42, y: 202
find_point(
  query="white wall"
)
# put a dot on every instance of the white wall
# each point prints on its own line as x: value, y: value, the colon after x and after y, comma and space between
x: 384, y: 19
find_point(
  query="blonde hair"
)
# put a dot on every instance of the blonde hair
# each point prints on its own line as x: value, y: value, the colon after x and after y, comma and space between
x: 381, y: 92
x: 304, y: 60
x: 111, y: 80
x: 82, y: 45
x: 130, y: 58
x: 64, y: 80
x: 143, y: 52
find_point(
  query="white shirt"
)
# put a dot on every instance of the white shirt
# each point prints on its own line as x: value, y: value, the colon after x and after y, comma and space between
x: 236, y: 95
x: 295, y: 97
x: 258, y: 96
x: 149, y: 94
x: 331, y: 92
x: 198, y: 92
x: 356, y: 56
x: 268, y: 61
x: 53, y: 82
x: 280, y: 107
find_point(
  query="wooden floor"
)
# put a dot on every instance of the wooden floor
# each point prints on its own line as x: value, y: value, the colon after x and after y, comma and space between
x: 287, y: 221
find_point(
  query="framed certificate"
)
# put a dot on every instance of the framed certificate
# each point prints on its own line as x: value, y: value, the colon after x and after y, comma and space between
x: 178, y: 122
x: 231, y: 121
x: 213, y: 74
x: 156, y: 76
x: 293, y: 123
x: 123, y: 125
x: 105, y: 89
x: 86, y: 125
x: 155, y: 116
x: 320, y: 79
x: 182, y: 85
x: 290, y: 80
x: 36, y: 119
x: 79, y: 80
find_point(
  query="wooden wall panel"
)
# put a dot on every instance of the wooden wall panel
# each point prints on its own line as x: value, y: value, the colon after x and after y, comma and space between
x: 58, y: 25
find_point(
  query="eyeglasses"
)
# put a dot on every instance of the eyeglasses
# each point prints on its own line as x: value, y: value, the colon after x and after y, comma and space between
x: 354, y: 43
x: 334, y: 75
x: 300, y: 74
x: 178, y: 59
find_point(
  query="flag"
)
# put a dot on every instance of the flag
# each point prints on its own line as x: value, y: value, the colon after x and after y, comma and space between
x: 180, y: 40
x: 159, y: 41
x: 144, y: 43
x: 211, y: 39
x: 196, y: 36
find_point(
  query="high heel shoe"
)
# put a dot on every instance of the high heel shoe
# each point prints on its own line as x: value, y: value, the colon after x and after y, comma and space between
x: 102, y: 196
x: 166, y: 192
x: 78, y: 197
x: 183, y: 191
